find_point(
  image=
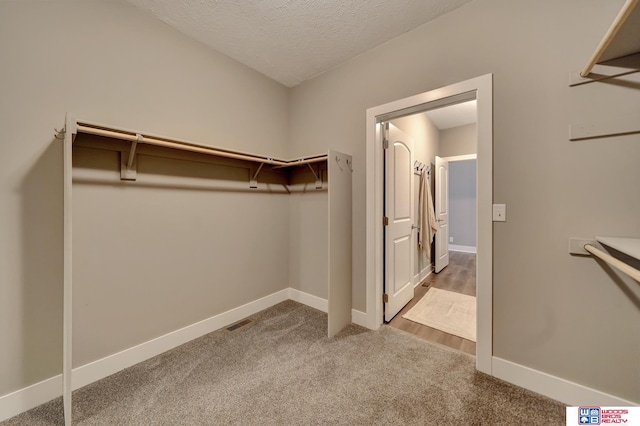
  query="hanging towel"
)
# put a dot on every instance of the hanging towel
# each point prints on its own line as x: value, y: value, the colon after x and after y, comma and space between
x: 426, y: 216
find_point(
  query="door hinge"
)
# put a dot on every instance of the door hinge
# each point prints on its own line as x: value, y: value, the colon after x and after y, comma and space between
x: 385, y: 221
x: 385, y: 298
x: 385, y: 143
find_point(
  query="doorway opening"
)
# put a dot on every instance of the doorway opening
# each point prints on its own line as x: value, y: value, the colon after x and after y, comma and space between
x: 443, y: 307
x: 479, y: 89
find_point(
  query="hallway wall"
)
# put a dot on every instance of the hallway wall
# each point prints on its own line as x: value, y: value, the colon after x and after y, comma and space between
x: 460, y: 140
x: 462, y: 203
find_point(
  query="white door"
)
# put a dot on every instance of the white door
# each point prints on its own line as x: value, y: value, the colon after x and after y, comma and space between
x: 442, y: 213
x: 399, y: 241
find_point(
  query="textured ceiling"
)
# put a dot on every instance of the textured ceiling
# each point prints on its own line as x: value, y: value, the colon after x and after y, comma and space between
x: 294, y: 40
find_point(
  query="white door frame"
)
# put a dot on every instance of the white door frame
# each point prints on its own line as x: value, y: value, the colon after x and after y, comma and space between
x: 480, y: 88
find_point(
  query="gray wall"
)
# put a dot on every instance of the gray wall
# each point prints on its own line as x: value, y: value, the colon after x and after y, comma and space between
x: 109, y: 62
x: 140, y: 252
x: 553, y: 188
x: 460, y: 140
x: 462, y: 202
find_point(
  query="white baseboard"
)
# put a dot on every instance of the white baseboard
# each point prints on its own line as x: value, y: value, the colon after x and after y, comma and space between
x: 464, y: 249
x: 42, y: 392
x: 422, y: 275
x: 308, y: 299
x: 359, y: 318
x: 562, y: 390
x: 104, y: 367
x: 30, y: 397
x: 46, y: 390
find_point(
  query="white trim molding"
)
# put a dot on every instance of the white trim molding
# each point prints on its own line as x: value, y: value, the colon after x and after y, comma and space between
x: 464, y: 157
x: 308, y: 299
x: 422, y: 275
x: 359, y: 318
x: 554, y: 387
x: 111, y: 364
x: 481, y: 89
x: 39, y: 393
x: 463, y: 249
x: 30, y: 397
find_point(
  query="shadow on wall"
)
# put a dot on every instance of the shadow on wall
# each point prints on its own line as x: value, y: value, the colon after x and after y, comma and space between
x: 41, y: 193
x: 626, y: 285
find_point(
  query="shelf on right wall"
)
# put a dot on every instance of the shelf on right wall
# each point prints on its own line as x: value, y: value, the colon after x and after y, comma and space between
x: 618, y: 53
x: 626, y: 245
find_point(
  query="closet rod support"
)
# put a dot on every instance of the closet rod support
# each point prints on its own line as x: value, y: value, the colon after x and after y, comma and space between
x: 132, y: 151
x: 316, y: 175
x: 253, y: 182
x: 59, y: 134
x: 129, y: 168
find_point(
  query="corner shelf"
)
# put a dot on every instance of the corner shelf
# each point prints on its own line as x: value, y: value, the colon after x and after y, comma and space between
x: 336, y: 165
x: 128, y: 163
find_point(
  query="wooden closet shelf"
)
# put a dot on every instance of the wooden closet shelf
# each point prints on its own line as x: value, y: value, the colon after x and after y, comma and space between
x: 618, y: 53
x: 135, y: 137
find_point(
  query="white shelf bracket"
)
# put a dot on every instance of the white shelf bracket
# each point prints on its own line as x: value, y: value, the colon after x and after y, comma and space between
x: 253, y: 182
x: 59, y: 134
x: 316, y: 175
x: 129, y: 168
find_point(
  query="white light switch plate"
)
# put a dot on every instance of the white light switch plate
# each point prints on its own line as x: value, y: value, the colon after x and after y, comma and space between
x: 499, y: 212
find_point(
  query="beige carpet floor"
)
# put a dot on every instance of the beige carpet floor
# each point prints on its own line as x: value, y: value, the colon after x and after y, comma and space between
x: 451, y: 312
x: 282, y: 370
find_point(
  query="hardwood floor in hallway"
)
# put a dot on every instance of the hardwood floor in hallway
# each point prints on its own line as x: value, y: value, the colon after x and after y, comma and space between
x: 459, y: 277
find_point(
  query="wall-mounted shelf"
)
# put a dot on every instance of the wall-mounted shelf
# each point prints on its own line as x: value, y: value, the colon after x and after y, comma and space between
x: 335, y: 166
x: 128, y: 159
x: 618, y: 53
